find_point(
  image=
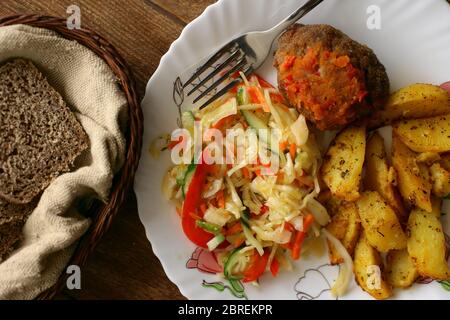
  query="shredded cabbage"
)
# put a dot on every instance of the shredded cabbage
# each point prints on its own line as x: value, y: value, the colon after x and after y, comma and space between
x: 300, y: 130
x: 251, y: 240
x: 214, y: 115
x: 346, y: 270
x: 318, y: 211
x: 217, y: 216
x: 215, y: 187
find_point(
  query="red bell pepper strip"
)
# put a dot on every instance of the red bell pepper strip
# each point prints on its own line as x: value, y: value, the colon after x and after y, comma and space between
x: 257, y: 267
x: 192, y: 201
x: 300, y: 236
x: 274, y: 267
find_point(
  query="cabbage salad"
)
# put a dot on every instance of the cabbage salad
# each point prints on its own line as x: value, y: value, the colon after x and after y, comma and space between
x: 254, y: 216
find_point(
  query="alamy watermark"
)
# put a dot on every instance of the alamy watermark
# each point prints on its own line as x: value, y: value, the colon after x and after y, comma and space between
x: 74, y: 279
x: 374, y: 19
x: 74, y: 19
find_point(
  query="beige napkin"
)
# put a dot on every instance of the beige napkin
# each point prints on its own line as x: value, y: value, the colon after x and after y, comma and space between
x: 90, y: 88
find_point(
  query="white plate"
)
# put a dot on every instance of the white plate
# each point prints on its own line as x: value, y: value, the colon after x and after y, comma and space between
x: 413, y: 44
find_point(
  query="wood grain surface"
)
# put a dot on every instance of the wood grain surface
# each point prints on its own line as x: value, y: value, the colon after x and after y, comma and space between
x: 124, y: 266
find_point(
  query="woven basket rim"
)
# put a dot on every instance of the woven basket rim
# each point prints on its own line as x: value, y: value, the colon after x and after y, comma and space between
x: 102, y: 214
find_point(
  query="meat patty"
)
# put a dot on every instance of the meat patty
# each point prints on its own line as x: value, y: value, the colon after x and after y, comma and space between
x: 330, y: 78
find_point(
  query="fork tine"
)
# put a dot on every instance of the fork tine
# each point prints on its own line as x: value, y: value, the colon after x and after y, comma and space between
x: 208, y: 63
x: 238, y: 66
x: 227, y: 88
x: 234, y: 56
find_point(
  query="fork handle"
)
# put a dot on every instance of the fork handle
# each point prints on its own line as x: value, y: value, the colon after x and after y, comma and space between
x: 294, y: 17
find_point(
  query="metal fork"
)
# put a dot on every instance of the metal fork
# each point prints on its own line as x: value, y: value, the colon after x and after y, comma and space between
x: 245, y: 53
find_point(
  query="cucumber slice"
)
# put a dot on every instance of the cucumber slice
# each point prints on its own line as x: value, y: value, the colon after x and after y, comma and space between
x: 215, y: 242
x: 242, y: 96
x: 254, y: 121
x: 230, y: 263
x: 187, y: 178
x: 257, y: 123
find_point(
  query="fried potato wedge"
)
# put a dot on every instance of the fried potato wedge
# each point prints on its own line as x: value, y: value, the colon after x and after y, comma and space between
x: 380, y: 223
x: 380, y: 177
x: 441, y: 180
x: 413, y: 177
x: 426, y: 245
x: 412, y: 102
x: 400, y: 269
x: 425, y: 135
x: 345, y: 226
x: 368, y: 267
x: 428, y: 157
x: 343, y: 163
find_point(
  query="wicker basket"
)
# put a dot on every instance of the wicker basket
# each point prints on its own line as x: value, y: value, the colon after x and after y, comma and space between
x: 101, y: 214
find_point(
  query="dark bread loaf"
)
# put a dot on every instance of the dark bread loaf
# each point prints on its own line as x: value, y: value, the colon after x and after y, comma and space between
x: 39, y: 135
x: 12, y: 220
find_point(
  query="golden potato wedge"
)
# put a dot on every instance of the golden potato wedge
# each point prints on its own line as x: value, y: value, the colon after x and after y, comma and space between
x: 426, y: 245
x: 365, y: 264
x: 441, y: 180
x: 412, y: 102
x: 345, y: 226
x: 343, y: 163
x: 428, y: 157
x: 380, y: 177
x: 425, y: 135
x: 413, y: 177
x: 400, y: 269
x: 380, y: 223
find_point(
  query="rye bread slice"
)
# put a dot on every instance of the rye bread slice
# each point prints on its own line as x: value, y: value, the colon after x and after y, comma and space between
x: 40, y: 137
x: 12, y: 220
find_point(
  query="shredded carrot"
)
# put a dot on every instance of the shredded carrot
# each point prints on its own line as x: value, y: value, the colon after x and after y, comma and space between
x: 300, y: 236
x: 224, y: 122
x: 220, y: 199
x: 246, y: 173
x: 235, y: 228
x: 289, y: 227
x: 283, y: 145
x: 258, y: 172
x: 256, y: 96
x: 238, y: 242
x: 292, y: 150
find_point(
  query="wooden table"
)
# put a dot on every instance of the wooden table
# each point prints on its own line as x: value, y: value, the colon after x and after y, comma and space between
x: 124, y: 266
